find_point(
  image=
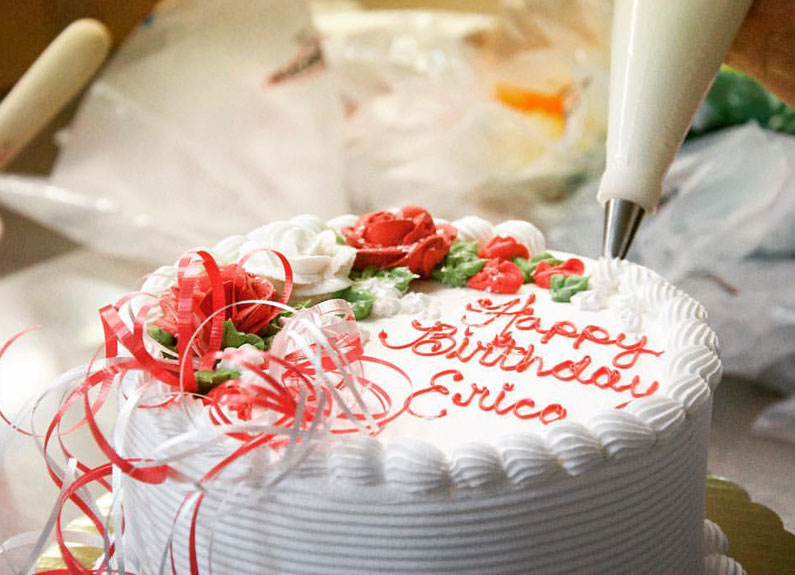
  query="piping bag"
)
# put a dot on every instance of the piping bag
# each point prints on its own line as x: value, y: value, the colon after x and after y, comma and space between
x: 664, y: 56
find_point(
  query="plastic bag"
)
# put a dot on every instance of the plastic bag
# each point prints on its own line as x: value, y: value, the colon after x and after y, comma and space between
x: 464, y: 117
x: 209, y: 120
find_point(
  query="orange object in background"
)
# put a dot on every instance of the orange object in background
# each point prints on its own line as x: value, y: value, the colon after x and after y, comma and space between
x: 529, y: 101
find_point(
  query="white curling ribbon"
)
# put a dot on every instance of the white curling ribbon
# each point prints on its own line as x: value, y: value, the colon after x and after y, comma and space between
x: 160, y: 280
x: 525, y: 233
x: 628, y: 312
x: 474, y: 229
x: 320, y: 265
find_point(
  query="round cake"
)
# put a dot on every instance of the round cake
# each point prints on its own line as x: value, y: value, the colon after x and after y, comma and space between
x: 490, y: 406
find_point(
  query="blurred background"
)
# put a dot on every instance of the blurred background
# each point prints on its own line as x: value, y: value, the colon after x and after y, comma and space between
x: 213, y: 117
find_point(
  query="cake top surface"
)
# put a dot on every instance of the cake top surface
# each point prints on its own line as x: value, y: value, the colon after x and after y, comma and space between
x: 466, y: 334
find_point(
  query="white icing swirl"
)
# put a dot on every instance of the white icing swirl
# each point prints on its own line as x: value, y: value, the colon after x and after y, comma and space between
x: 577, y: 450
x: 654, y: 294
x: 474, y: 229
x: 356, y: 461
x: 693, y: 332
x: 722, y: 565
x: 387, y: 297
x: 607, y: 273
x: 690, y: 390
x: 698, y: 359
x: 590, y: 300
x: 634, y: 277
x: 415, y: 466
x: 663, y: 415
x: 476, y: 465
x: 715, y: 540
x: 527, y: 459
x: 525, y: 233
x: 682, y: 307
x: 320, y: 265
x: 621, y: 433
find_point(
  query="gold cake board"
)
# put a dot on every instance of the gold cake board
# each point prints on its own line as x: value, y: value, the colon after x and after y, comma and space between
x: 757, y: 538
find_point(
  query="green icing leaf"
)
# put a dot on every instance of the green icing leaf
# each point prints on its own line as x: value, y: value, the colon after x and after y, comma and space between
x: 234, y: 338
x: 460, y: 264
x: 162, y: 337
x: 361, y: 300
x: 340, y: 238
x: 207, y: 379
x: 399, y: 277
x: 561, y: 287
x: 529, y: 266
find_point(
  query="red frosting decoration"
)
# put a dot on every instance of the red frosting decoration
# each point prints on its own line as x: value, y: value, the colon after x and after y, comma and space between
x: 498, y: 276
x: 408, y: 238
x: 506, y: 248
x: 544, y: 271
x: 238, y: 285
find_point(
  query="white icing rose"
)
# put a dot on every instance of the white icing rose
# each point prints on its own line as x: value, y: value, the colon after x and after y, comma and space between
x: 474, y: 229
x: 523, y: 232
x: 343, y: 221
x: 320, y: 265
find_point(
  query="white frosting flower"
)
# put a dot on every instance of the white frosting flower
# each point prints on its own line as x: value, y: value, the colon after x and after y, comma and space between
x: 523, y: 232
x: 343, y: 221
x: 627, y: 309
x: 474, y: 229
x: 414, y: 303
x: 320, y: 265
x: 590, y: 300
x: 387, y: 297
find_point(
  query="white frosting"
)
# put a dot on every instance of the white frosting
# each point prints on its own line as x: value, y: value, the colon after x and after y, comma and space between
x: 474, y: 229
x: 525, y: 233
x: 320, y: 264
x: 474, y: 492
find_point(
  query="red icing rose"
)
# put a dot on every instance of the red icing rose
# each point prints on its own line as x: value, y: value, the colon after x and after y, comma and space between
x: 408, y: 238
x: 239, y: 285
x: 498, y: 276
x: 506, y: 248
x: 544, y: 271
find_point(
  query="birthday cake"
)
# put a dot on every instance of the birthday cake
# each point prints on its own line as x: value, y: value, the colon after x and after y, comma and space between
x: 391, y: 393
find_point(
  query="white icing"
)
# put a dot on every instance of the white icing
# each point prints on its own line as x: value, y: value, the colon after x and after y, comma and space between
x: 474, y: 229
x: 525, y: 233
x: 476, y: 465
x: 715, y: 541
x: 443, y: 492
x: 344, y: 221
x: 590, y: 300
x: 722, y: 565
x: 320, y: 265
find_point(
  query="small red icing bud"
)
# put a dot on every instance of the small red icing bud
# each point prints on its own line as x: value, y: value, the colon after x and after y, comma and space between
x: 506, y: 248
x: 544, y: 271
x: 498, y: 276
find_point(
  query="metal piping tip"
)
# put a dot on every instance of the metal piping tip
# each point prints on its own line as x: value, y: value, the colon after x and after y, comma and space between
x: 622, y: 220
